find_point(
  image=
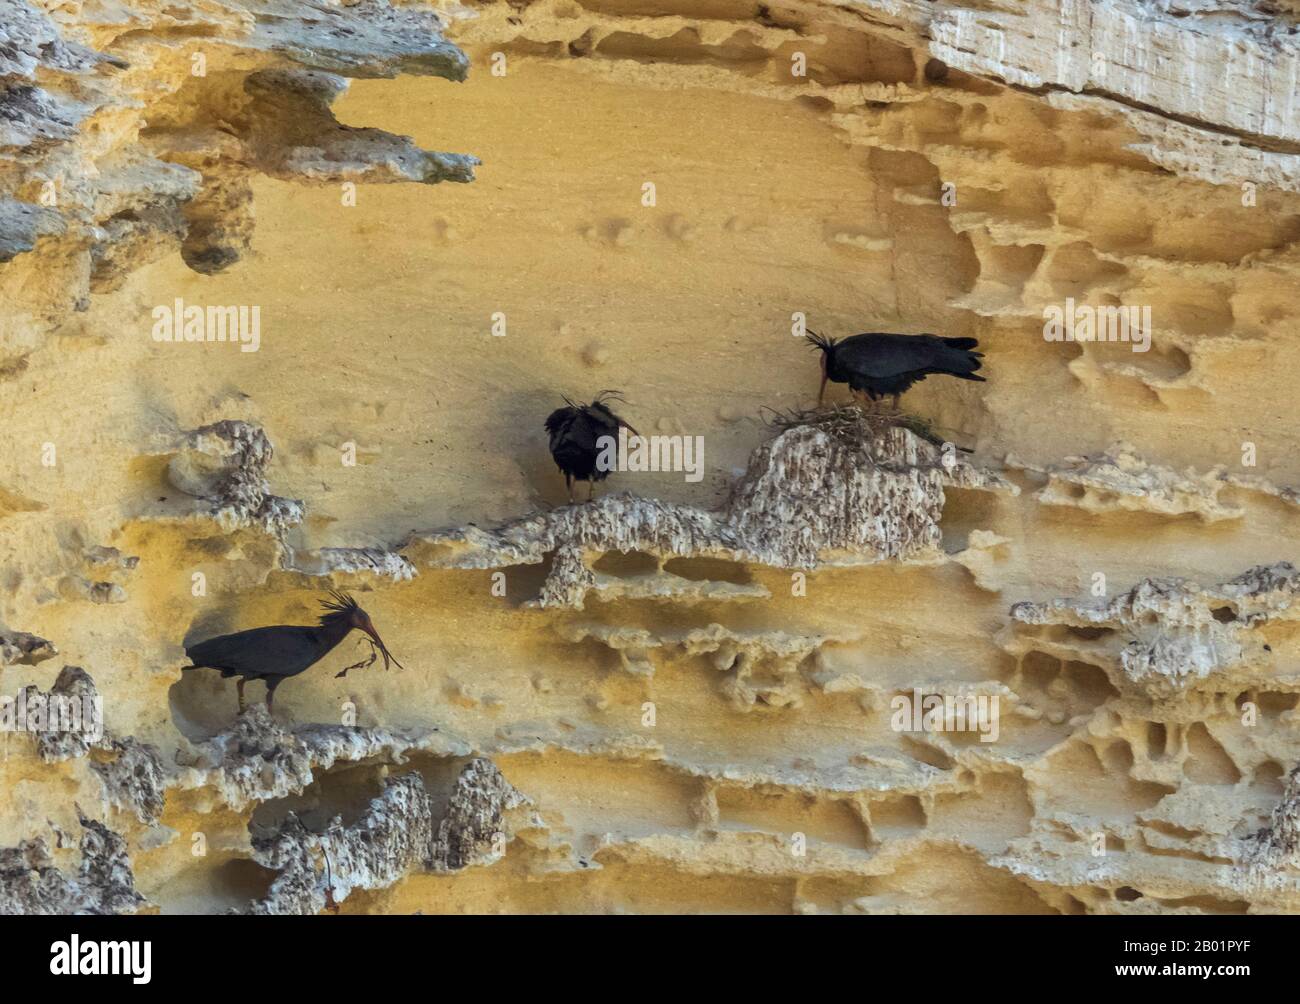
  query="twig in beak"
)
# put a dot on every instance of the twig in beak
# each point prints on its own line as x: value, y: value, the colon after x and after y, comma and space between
x: 374, y: 654
x: 376, y: 649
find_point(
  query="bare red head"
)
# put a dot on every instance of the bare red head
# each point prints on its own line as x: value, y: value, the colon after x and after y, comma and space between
x: 344, y: 608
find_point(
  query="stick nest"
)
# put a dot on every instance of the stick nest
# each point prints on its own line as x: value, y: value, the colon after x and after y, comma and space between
x: 852, y: 427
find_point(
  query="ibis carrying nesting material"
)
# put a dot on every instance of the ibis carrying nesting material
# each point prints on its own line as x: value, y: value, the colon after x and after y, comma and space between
x: 576, y: 431
x: 275, y: 653
x: 878, y: 364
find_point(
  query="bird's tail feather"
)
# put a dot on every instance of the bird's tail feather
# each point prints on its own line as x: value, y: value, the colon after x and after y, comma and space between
x: 959, y: 363
x: 962, y: 343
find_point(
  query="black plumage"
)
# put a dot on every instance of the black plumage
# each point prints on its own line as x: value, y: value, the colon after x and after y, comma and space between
x: 575, y: 432
x: 877, y: 364
x: 275, y: 653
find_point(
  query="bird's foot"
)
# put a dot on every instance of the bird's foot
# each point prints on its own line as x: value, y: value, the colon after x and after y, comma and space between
x: 865, y: 404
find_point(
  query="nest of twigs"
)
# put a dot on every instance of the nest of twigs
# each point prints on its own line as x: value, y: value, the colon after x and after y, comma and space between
x: 852, y: 427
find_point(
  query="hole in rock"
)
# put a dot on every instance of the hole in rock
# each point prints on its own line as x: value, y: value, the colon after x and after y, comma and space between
x: 626, y: 564
x: 1272, y: 703
x: 240, y: 881
x: 709, y: 570
x: 926, y: 753
x: 1268, y: 776
x: 1207, y: 761
x: 1208, y: 904
x: 1118, y: 757
x: 1040, y: 669
x: 524, y: 582
x: 1157, y: 740
x: 894, y: 817
x: 739, y: 51
x: 1089, y: 684
x: 826, y: 821
x: 344, y: 791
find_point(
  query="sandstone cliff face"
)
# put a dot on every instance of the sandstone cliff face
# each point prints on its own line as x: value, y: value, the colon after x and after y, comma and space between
x: 679, y: 697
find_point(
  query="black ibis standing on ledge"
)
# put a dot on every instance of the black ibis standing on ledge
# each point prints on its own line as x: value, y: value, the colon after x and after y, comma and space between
x: 879, y: 364
x: 575, y: 431
x: 275, y: 653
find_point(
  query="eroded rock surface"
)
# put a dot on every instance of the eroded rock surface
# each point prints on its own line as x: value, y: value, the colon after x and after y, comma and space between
x: 397, y: 834
x: 1168, y: 632
x: 32, y: 883
x: 223, y: 466
x: 643, y: 703
x: 832, y: 491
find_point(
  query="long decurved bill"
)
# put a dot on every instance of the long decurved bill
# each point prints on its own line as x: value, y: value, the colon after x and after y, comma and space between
x: 383, y: 648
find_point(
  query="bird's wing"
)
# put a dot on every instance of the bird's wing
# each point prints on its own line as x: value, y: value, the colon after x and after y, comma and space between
x: 268, y: 651
x: 883, y: 355
x: 585, y: 430
x: 603, y: 421
x: 558, y: 423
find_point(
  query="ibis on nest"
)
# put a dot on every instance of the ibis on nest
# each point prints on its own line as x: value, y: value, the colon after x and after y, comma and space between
x: 878, y: 364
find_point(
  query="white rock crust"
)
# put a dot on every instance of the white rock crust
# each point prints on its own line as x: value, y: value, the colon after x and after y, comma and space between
x: 1121, y: 479
x: 258, y: 759
x: 223, y: 466
x: 32, y: 883
x: 397, y: 834
x: 1172, y: 633
x: 823, y: 493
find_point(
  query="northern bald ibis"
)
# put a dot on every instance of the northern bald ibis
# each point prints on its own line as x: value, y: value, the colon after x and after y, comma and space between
x: 575, y: 431
x: 878, y: 364
x: 275, y: 653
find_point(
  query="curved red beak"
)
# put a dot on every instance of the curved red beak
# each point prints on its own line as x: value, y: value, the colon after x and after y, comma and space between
x: 388, y: 656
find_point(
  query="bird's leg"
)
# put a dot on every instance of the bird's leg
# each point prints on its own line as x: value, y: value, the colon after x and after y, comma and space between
x: 270, y: 697
x: 895, y: 401
x: 591, y: 490
x: 239, y: 686
x: 568, y: 483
